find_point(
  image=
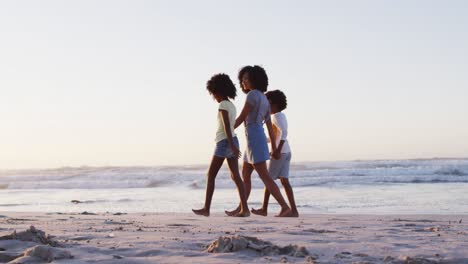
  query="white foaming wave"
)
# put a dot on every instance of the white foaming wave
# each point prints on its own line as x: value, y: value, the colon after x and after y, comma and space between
x: 301, y: 174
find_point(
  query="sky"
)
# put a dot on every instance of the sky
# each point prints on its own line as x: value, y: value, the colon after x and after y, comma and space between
x: 123, y: 83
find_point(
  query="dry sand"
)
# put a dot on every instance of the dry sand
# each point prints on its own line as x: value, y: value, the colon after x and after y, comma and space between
x: 186, y: 238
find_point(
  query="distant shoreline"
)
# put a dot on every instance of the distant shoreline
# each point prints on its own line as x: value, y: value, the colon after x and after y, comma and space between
x: 188, y: 166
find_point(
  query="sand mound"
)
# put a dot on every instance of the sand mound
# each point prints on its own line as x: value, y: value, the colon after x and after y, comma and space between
x: 41, y: 254
x: 33, y: 235
x: 240, y: 243
x: 38, y: 248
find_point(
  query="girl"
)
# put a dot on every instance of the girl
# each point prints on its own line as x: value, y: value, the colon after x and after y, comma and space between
x: 221, y: 88
x: 256, y: 110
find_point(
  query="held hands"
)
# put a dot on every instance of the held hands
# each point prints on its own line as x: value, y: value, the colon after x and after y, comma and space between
x: 276, y: 154
x: 236, y: 151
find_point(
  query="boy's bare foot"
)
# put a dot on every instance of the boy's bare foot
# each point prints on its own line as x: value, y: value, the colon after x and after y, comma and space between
x: 202, y: 211
x: 259, y: 212
x: 233, y: 212
x: 295, y: 214
x: 245, y: 213
x: 285, y: 212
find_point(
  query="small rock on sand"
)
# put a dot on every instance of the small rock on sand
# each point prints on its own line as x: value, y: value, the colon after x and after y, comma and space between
x: 87, y: 213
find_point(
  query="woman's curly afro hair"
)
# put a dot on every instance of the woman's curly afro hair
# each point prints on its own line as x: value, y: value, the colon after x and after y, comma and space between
x: 257, y: 77
x: 222, y: 85
x: 241, y: 73
x: 277, y: 98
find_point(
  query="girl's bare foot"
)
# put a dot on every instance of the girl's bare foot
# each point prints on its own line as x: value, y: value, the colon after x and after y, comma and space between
x: 259, y: 212
x: 233, y: 212
x: 285, y: 212
x: 245, y: 213
x: 202, y: 211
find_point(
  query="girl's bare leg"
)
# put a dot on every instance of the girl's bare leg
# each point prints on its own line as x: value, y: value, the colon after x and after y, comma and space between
x: 215, y: 165
x: 234, y: 168
x: 262, y: 171
x: 247, y: 170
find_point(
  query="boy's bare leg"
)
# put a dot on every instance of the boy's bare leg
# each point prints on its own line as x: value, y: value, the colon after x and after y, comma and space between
x: 234, y: 168
x: 215, y: 165
x: 262, y: 171
x: 290, y: 194
x: 264, y: 210
x: 247, y: 170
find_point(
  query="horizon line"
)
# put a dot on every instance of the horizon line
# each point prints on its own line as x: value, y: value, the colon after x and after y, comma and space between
x: 200, y: 164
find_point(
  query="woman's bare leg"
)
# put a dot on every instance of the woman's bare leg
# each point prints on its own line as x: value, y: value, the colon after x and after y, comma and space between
x: 264, y: 210
x: 247, y: 170
x: 215, y: 165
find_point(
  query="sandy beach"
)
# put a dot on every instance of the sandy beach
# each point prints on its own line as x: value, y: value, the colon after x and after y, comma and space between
x: 186, y: 238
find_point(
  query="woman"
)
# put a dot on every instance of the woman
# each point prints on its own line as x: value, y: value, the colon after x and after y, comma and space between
x: 256, y: 111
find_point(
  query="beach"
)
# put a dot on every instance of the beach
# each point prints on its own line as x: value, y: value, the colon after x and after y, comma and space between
x: 87, y: 237
x: 131, y: 130
x: 382, y: 211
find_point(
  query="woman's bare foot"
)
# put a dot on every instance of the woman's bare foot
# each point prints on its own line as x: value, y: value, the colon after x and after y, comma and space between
x: 202, y: 211
x: 233, y: 212
x: 260, y: 212
x: 245, y: 213
x: 285, y: 212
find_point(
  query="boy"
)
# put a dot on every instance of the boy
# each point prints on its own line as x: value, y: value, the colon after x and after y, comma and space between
x: 279, y: 165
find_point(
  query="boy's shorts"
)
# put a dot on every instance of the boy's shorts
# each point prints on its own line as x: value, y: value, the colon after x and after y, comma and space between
x: 280, y: 168
x: 223, y: 149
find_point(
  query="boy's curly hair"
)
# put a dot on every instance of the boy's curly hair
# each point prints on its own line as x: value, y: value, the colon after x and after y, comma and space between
x: 277, y: 98
x: 257, y: 76
x: 221, y: 84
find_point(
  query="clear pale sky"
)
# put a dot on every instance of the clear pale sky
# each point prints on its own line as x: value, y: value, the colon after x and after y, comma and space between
x: 123, y: 82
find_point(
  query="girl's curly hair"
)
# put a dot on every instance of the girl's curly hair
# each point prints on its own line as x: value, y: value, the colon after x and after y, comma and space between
x: 221, y: 84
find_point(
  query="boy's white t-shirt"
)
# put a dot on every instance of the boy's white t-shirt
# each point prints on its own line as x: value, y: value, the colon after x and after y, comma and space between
x: 280, y: 128
x: 231, y: 109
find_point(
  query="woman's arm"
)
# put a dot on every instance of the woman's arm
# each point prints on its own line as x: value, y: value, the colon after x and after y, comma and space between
x: 227, y: 129
x: 243, y: 115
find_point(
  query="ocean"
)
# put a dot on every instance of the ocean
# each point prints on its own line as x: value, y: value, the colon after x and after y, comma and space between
x: 418, y: 186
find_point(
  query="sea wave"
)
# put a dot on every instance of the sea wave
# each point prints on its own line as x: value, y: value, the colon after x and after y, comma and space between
x: 302, y: 174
